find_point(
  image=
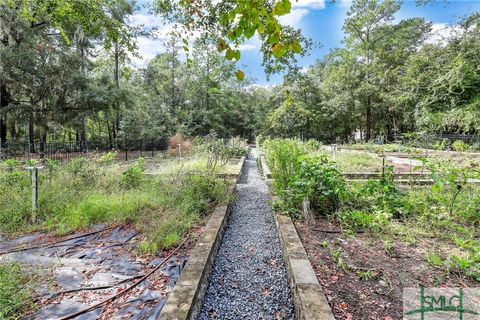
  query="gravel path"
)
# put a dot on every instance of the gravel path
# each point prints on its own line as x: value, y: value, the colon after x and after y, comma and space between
x: 249, y: 279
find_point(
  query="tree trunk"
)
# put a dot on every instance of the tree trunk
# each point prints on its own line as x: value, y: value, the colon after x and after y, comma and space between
x: 13, y: 130
x: 3, y: 129
x: 83, y: 130
x: 4, y: 101
x: 368, y: 134
x: 31, y: 128
x: 390, y: 125
x: 110, y: 142
x: 117, y: 85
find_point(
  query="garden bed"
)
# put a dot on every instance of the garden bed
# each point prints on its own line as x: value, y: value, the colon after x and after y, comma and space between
x: 363, y: 276
x: 81, y: 269
x: 371, y: 238
x: 141, y: 220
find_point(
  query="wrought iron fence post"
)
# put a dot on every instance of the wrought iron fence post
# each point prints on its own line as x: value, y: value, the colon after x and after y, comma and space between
x: 42, y: 149
x: 126, y: 150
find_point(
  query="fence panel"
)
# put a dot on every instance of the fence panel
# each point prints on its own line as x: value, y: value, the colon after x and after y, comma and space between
x: 66, y: 150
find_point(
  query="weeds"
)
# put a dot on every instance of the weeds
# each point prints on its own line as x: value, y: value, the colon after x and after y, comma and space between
x: 448, y: 211
x: 85, y: 191
x: 15, y: 292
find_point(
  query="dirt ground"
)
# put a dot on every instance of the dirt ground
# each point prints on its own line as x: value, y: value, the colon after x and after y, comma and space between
x: 363, y: 280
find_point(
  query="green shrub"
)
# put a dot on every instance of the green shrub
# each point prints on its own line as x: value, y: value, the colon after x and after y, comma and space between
x: 283, y: 157
x: 11, y: 163
x: 475, y: 146
x: 133, y: 176
x: 356, y: 220
x: 460, y: 146
x: 313, y: 145
x: 319, y: 181
x: 299, y: 176
x: 444, y: 144
x: 108, y: 157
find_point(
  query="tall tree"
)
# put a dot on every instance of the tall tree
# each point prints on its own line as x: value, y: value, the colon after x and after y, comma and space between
x: 364, y: 19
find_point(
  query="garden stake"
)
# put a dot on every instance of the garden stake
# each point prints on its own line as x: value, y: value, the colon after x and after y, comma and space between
x: 180, y: 150
x: 34, y: 174
x: 383, y: 167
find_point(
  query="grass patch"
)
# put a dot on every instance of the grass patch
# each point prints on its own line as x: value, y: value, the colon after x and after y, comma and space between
x: 358, y: 162
x: 15, y: 292
x: 87, y: 191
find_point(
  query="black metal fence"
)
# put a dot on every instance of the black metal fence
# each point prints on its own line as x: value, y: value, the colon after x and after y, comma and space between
x: 65, y: 150
x: 468, y: 138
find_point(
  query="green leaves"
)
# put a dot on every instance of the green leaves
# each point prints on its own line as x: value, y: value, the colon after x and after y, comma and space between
x: 238, y: 20
x: 240, y: 75
x: 295, y: 46
x: 279, y: 50
x: 232, y: 54
x: 282, y: 7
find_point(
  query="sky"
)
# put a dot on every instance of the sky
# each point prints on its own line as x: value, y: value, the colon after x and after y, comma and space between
x: 319, y: 20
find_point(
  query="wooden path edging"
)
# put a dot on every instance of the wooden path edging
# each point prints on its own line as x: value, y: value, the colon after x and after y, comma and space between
x: 185, y: 301
x: 309, y: 300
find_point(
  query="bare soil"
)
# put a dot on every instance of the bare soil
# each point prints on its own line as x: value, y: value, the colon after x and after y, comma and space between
x: 363, y: 280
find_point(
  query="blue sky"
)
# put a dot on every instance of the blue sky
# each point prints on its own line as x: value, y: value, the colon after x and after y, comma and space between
x: 320, y: 20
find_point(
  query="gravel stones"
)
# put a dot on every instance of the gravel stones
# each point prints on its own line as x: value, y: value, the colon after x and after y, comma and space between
x: 249, y: 279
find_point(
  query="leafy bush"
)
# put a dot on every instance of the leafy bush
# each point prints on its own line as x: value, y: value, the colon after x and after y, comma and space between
x: 299, y: 176
x: 237, y: 147
x: 283, y: 157
x: 313, y: 145
x: 108, y: 157
x: 444, y: 144
x: 133, y: 176
x: 219, y: 152
x: 460, y: 146
x: 319, y: 181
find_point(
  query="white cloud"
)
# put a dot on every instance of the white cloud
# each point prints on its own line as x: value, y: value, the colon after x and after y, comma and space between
x: 255, y: 86
x: 294, y: 18
x: 300, y: 8
x: 147, y: 49
x: 304, y: 70
x: 344, y: 3
x: 312, y: 4
x: 247, y: 47
x: 147, y: 20
x: 442, y: 32
x: 251, y: 44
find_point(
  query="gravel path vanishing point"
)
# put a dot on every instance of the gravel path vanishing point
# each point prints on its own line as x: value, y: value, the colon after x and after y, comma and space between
x: 249, y: 279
